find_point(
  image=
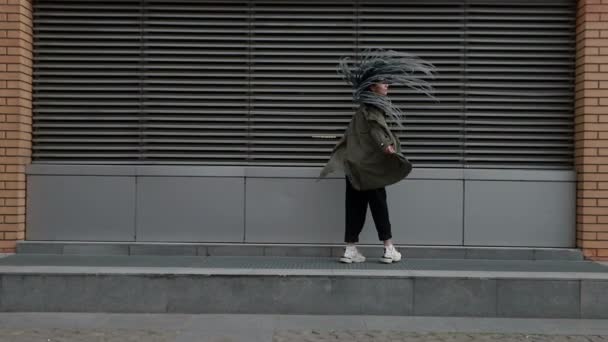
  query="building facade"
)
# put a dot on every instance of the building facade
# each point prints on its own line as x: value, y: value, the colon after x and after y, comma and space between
x: 157, y: 121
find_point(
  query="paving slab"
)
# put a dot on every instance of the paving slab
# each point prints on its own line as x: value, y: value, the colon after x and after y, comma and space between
x: 76, y: 327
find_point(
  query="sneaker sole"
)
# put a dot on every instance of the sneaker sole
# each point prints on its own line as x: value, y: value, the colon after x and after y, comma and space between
x: 388, y: 261
x: 346, y: 261
x: 350, y: 261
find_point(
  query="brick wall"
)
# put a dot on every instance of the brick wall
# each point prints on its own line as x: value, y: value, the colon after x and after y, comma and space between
x: 15, y: 117
x: 591, y: 127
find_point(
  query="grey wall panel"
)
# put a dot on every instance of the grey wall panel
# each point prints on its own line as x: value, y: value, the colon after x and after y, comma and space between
x: 294, y: 210
x: 181, y: 205
x: 427, y: 212
x: 190, y: 209
x: 534, y: 214
x: 84, y: 208
x: 302, y: 211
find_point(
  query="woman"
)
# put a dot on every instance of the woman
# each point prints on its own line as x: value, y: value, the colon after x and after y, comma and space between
x: 369, y: 153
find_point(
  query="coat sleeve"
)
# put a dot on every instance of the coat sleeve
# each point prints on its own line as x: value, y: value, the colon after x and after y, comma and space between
x: 377, y: 129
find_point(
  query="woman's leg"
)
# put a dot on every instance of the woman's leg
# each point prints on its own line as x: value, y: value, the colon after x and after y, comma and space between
x: 356, y: 210
x: 377, y: 203
x: 379, y: 208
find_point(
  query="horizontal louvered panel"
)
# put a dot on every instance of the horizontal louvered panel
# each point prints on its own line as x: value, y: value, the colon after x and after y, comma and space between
x: 307, y: 54
x: 433, y: 130
x: 86, y: 81
x: 523, y: 53
x: 195, y: 93
x: 255, y: 83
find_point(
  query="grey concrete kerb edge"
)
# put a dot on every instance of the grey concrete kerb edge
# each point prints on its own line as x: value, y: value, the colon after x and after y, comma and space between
x: 170, y: 271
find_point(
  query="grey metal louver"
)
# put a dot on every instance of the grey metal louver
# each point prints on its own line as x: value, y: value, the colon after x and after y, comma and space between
x: 519, y: 84
x: 87, y: 99
x: 196, y: 80
x: 254, y: 82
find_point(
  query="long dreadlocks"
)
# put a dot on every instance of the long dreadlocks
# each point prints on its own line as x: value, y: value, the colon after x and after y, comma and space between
x: 386, y: 66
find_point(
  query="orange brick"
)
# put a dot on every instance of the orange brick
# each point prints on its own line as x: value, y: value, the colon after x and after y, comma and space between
x: 587, y: 68
x: 589, y: 177
x: 593, y: 160
x: 14, y: 219
x: 12, y: 193
x: 588, y: 152
x: 10, y: 9
x: 590, y: 227
x: 592, y: 211
x: 16, y: 143
x: 594, y: 244
x: 15, y: 185
x: 15, y: 168
x: 18, y: 152
x: 596, y: 25
x: 587, y: 236
x: 603, y: 252
x: 594, y: 194
x: 14, y: 160
x: 589, y: 252
x: 595, y: 126
x: 10, y: 236
x: 8, y: 244
x: 586, y: 219
x: 602, y: 202
x: 586, y: 185
x: 9, y: 210
x: 586, y: 168
x: 14, y: 235
x: 581, y: 202
x: 588, y: 102
x: 9, y: 227
x: 596, y: 42
x: 15, y: 201
x: 15, y: 177
x: 592, y: 84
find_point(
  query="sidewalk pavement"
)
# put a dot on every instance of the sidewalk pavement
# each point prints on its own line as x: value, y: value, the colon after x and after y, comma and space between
x: 81, y: 327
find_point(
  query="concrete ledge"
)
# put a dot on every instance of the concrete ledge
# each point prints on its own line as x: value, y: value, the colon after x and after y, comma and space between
x: 243, y: 291
x: 288, y: 172
x: 294, y: 250
x: 311, y: 285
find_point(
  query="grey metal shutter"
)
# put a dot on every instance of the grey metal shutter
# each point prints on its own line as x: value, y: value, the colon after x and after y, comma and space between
x: 195, y: 86
x: 520, y: 84
x: 87, y: 81
x: 254, y: 82
x: 433, y: 30
x: 297, y: 98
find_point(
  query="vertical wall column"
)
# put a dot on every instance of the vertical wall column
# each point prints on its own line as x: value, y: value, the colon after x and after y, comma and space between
x: 15, y: 117
x: 591, y: 127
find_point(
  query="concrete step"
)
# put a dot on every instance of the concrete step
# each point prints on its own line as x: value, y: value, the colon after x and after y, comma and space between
x: 303, y: 285
x: 292, y: 250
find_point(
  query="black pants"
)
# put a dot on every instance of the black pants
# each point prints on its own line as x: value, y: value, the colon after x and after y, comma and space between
x: 356, y: 210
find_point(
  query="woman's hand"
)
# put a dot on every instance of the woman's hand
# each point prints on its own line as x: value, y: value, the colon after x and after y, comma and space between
x: 390, y: 149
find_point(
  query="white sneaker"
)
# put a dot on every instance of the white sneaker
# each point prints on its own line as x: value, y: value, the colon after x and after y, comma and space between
x: 390, y: 255
x: 351, y: 254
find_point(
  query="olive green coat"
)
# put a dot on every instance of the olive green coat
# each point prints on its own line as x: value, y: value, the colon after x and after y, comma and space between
x: 360, y: 152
